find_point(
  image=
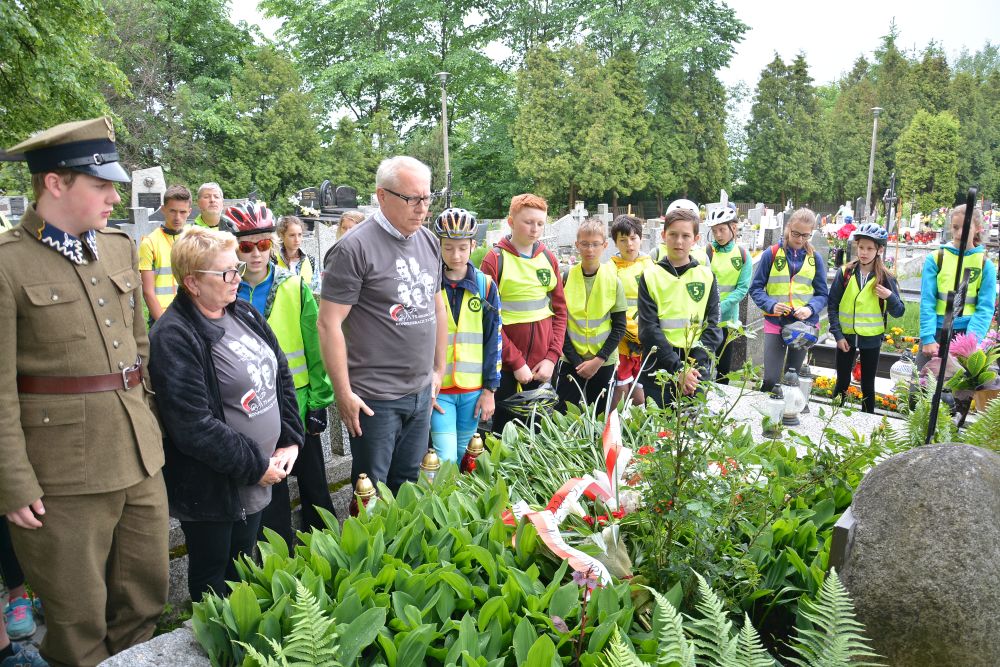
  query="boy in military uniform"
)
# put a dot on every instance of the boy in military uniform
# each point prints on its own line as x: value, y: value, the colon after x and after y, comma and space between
x: 80, y: 482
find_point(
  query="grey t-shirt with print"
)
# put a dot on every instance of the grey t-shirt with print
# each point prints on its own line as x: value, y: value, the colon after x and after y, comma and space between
x: 390, y: 284
x: 247, y: 371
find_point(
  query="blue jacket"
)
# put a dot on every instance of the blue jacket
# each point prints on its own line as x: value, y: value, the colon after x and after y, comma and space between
x: 257, y: 295
x: 767, y: 303
x: 893, y: 306
x: 977, y: 323
x: 455, y: 292
x: 729, y: 307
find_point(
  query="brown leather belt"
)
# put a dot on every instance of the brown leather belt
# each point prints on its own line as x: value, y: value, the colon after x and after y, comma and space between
x: 53, y: 384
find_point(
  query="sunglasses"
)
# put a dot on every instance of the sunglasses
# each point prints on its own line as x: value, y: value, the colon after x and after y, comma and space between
x: 263, y: 245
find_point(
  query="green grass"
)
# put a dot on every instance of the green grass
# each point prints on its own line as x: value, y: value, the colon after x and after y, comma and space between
x: 910, y: 321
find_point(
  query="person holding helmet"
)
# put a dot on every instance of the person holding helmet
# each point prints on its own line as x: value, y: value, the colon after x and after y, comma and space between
x: 697, y: 252
x: 789, y: 284
x: 472, y: 361
x: 287, y: 303
x: 861, y: 295
x: 733, y: 271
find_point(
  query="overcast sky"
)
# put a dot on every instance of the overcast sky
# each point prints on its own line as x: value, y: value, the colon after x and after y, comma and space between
x: 831, y: 33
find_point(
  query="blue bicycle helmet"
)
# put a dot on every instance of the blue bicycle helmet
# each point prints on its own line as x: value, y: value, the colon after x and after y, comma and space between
x: 848, y: 218
x: 799, y: 335
x: 870, y: 230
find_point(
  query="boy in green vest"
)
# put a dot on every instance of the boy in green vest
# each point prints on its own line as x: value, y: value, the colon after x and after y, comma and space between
x: 626, y: 231
x: 974, y: 312
x: 678, y: 306
x: 472, y: 360
x: 595, y: 322
x: 531, y: 303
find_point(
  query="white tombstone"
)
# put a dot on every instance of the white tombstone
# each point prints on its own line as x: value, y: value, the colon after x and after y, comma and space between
x: 148, y: 186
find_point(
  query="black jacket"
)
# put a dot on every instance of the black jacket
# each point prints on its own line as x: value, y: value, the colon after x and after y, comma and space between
x: 206, y: 460
x: 667, y: 357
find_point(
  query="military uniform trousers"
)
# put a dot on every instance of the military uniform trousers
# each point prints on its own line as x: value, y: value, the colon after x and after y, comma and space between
x: 108, y: 590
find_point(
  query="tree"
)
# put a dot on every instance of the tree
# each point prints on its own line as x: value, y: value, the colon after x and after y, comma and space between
x: 929, y: 80
x: 848, y: 131
x: 927, y: 158
x: 891, y: 76
x: 49, y: 70
x: 673, y: 154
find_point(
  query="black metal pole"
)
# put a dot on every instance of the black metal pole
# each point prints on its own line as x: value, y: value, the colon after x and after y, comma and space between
x: 949, y: 316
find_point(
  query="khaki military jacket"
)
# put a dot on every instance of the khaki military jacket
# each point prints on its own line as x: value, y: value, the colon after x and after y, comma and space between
x: 58, y: 318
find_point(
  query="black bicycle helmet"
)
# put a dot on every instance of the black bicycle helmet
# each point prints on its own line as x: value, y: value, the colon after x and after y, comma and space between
x: 524, y: 403
x: 455, y: 223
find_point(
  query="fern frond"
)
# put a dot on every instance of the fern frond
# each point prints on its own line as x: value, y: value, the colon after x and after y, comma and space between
x: 669, y: 631
x: 836, y: 638
x: 619, y: 654
x: 711, y: 633
x: 313, y: 641
x: 983, y: 432
x: 750, y: 652
x: 913, y: 431
x: 261, y: 660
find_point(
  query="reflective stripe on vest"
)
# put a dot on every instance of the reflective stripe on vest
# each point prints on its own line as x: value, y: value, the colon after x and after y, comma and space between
x: 588, y: 323
x: 796, y: 289
x: 680, y: 302
x: 726, y: 273
x: 860, y: 312
x: 286, y: 321
x: 164, y: 285
x: 972, y: 266
x: 524, y: 288
x: 464, y: 357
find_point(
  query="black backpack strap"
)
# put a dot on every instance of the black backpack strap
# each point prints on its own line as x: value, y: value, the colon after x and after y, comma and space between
x: 499, y: 253
x: 710, y: 252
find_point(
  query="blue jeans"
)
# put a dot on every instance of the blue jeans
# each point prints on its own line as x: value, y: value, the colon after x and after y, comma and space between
x: 394, y: 440
x: 452, y: 430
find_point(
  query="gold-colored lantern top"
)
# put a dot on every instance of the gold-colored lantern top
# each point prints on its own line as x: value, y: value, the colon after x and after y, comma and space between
x: 431, y: 462
x: 475, y: 447
x: 364, y: 488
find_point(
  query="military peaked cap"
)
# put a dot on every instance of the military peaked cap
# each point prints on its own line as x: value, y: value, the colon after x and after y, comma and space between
x: 87, y: 146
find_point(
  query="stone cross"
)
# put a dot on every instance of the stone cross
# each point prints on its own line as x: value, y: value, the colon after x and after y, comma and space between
x: 139, y: 224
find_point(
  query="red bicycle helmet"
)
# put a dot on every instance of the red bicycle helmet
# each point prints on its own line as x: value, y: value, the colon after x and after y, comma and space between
x: 249, y: 218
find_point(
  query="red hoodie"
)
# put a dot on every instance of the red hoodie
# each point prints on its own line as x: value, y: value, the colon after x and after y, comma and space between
x: 530, y: 342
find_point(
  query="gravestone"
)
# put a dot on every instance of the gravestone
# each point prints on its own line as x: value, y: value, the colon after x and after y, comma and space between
x: 604, y: 213
x: 345, y: 196
x: 308, y: 198
x: 923, y: 565
x: 859, y: 208
x: 148, y: 186
x: 139, y: 224
x: 18, y: 204
x: 822, y: 245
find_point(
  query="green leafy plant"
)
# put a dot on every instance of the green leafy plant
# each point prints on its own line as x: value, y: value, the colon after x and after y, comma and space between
x: 983, y: 432
x: 833, y: 638
x: 313, y: 642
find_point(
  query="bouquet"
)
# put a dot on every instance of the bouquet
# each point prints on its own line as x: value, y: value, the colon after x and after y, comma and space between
x: 976, y: 362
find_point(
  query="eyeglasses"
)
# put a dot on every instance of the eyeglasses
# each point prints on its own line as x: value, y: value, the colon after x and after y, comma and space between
x: 588, y: 246
x: 414, y: 200
x: 229, y: 275
x: 799, y: 235
x: 263, y: 245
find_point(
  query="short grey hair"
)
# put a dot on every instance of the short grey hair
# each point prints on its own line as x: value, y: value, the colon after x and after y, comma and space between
x: 389, y: 169
x: 211, y: 185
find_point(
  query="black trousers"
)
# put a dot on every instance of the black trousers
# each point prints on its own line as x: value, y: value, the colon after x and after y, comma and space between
x: 10, y: 569
x: 869, y: 367
x: 314, y: 490
x: 595, y: 390
x: 724, y: 363
x: 212, y: 547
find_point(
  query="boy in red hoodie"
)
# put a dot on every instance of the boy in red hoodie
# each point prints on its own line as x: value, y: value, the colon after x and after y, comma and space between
x: 532, y: 305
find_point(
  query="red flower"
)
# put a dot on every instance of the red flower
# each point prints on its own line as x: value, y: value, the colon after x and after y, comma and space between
x: 618, y: 514
x: 856, y: 373
x: 589, y: 520
x: 646, y: 449
x: 602, y: 519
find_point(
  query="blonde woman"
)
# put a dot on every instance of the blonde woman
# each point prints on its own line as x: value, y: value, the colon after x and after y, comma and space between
x: 227, y: 405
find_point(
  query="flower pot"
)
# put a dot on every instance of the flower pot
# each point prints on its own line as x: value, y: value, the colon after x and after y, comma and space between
x: 983, y: 396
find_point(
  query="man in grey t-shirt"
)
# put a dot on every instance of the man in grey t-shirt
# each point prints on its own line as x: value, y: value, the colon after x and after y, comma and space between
x: 383, y: 327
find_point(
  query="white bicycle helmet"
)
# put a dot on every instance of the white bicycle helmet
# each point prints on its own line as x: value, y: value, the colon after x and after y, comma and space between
x: 685, y: 204
x: 719, y: 216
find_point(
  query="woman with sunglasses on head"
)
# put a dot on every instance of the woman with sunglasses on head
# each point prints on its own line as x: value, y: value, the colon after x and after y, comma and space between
x: 789, y: 285
x: 287, y: 303
x: 227, y: 406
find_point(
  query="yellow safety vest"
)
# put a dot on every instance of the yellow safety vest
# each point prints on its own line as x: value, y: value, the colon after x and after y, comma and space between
x: 629, y: 277
x: 164, y: 284
x: 727, y: 267
x: 524, y: 288
x: 464, y: 358
x: 286, y: 322
x: 972, y: 266
x: 697, y: 252
x: 303, y: 269
x: 782, y: 285
x: 681, y: 302
x: 588, y: 323
x: 860, y: 308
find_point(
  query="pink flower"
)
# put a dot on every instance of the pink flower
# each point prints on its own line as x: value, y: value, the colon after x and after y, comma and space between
x: 964, y: 344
